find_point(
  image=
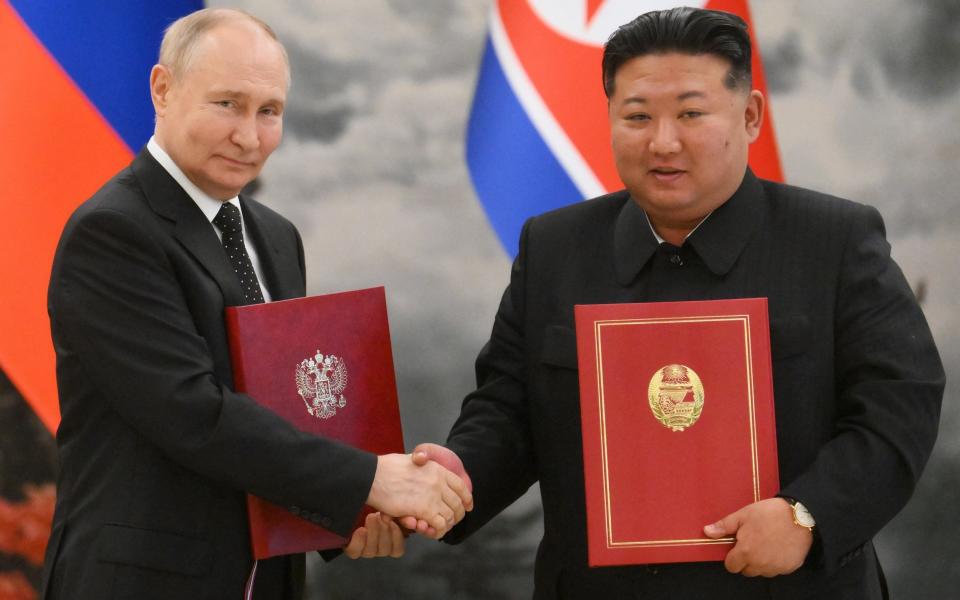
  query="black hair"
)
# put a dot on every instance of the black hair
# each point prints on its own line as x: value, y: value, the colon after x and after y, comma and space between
x: 685, y: 30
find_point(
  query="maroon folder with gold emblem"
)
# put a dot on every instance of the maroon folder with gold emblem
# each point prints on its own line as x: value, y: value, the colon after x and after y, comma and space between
x: 325, y: 364
x: 676, y: 402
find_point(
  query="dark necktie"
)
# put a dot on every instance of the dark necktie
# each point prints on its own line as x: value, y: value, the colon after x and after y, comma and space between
x: 228, y: 222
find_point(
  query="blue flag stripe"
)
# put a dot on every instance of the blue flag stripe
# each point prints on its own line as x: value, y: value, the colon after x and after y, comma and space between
x: 514, y: 173
x: 107, y: 47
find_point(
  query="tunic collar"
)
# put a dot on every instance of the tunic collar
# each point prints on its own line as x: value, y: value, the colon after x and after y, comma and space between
x: 718, y: 240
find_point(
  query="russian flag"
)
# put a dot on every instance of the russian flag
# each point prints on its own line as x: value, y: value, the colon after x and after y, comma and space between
x: 74, y: 107
x: 538, y: 136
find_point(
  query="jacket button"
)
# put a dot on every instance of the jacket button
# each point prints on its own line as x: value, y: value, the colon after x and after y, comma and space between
x: 294, y: 509
x: 326, y: 521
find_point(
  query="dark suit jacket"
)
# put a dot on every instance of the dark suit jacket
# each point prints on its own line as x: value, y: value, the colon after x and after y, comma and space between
x: 857, y: 379
x: 156, y: 450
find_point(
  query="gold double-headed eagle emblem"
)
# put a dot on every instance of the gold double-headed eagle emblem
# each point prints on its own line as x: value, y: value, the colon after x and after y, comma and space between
x: 676, y: 396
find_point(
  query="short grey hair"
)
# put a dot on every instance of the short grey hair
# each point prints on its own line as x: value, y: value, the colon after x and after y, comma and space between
x: 181, y: 37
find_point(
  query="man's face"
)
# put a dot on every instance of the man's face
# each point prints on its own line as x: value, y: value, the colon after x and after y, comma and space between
x: 680, y: 136
x: 221, y: 120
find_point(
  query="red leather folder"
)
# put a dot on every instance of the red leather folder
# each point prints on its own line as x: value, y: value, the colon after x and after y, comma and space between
x: 676, y: 402
x: 325, y: 364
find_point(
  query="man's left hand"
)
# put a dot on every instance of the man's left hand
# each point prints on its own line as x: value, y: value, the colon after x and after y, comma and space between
x: 380, y: 536
x: 769, y: 543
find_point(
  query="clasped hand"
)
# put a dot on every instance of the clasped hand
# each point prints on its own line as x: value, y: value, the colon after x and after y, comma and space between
x: 428, y: 492
x: 425, y: 491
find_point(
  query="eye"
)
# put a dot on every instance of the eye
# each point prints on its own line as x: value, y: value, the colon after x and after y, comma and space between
x: 224, y: 103
x: 638, y: 117
x: 270, y: 111
x: 691, y: 114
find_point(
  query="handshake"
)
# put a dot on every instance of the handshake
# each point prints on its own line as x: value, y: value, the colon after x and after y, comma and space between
x: 427, y: 491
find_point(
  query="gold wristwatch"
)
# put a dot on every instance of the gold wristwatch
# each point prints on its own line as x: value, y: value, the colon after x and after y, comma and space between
x: 801, y: 516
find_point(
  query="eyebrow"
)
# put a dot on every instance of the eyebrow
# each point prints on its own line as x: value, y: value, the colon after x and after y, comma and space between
x: 681, y: 97
x: 230, y: 93
x: 234, y: 94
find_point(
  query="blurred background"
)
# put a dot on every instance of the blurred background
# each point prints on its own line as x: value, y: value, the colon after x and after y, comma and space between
x: 865, y: 99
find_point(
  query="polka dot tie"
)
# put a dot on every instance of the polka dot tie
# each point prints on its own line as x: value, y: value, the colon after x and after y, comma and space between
x: 228, y: 222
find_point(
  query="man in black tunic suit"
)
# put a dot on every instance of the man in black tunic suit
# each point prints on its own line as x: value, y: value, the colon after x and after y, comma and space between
x: 857, y: 378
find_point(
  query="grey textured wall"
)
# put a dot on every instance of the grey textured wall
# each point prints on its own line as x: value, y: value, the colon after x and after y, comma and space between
x: 865, y: 97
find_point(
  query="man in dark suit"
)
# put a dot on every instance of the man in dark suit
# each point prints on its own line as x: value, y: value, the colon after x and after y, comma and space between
x: 857, y: 378
x: 157, y: 451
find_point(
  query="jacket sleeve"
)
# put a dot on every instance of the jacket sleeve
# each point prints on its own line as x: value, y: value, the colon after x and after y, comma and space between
x: 492, y: 435
x: 889, y: 386
x: 117, y: 305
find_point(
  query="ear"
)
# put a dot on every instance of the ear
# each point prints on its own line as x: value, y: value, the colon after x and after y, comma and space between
x: 753, y: 114
x: 161, y: 82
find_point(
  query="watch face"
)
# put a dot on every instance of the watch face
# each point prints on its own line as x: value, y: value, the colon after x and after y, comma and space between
x: 803, y: 516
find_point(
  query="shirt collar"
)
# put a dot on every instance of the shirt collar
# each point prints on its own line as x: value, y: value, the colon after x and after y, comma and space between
x: 717, y: 240
x: 208, y: 205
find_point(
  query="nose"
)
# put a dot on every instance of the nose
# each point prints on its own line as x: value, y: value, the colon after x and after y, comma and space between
x: 245, y: 133
x: 665, y: 139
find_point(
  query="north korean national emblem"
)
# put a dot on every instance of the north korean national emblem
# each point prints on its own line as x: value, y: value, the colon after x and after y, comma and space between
x: 676, y: 396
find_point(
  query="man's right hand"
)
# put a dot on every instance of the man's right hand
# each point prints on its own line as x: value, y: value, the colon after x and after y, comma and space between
x: 428, y: 492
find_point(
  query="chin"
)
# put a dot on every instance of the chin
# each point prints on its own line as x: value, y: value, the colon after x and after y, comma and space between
x: 661, y: 202
x: 233, y: 185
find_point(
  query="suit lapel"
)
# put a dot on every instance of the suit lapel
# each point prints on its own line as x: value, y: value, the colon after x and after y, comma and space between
x: 278, y: 258
x: 191, y: 227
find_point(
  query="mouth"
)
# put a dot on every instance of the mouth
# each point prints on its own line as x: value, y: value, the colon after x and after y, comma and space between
x: 666, y: 174
x: 234, y: 162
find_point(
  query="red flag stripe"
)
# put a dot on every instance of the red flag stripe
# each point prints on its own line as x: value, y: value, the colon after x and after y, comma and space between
x: 56, y: 151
